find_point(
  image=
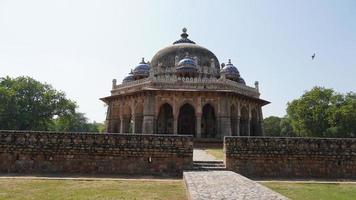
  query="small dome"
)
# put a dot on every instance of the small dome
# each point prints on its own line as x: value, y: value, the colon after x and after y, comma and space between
x: 241, y: 80
x: 231, y: 72
x: 128, y: 78
x: 187, y: 62
x: 142, y: 70
x: 186, y: 67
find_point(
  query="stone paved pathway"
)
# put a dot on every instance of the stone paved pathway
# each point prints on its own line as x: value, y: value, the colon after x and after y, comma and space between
x: 201, y: 155
x: 219, y: 185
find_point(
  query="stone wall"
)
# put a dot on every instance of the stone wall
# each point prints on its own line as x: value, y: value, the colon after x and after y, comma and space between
x: 93, y: 153
x: 263, y: 157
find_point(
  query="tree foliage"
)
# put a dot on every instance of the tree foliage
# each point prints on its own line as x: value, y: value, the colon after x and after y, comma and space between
x: 272, y: 126
x: 277, y: 126
x: 322, y: 112
x: 286, y: 127
x: 76, y: 122
x: 27, y: 104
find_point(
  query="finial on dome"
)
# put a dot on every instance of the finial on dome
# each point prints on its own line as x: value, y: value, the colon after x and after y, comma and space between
x: 184, y: 34
x: 229, y: 61
x: 184, y: 38
x: 143, y: 60
x: 187, y: 54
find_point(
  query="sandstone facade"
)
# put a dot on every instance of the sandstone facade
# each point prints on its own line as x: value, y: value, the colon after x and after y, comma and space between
x: 185, y: 91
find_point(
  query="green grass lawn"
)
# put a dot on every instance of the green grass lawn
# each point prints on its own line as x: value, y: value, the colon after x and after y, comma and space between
x: 216, y: 152
x: 76, y: 189
x: 314, y: 191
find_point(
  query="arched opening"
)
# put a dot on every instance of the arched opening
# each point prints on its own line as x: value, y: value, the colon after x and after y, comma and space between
x: 233, y: 120
x: 254, y: 131
x: 165, y: 119
x: 244, y: 122
x: 127, y: 120
x: 208, y: 122
x: 138, y: 118
x: 186, y: 120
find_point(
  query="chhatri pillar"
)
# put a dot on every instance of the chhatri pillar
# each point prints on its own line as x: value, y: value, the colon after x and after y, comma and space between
x: 148, y: 124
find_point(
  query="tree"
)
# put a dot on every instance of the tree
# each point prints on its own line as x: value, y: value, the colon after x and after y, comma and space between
x: 322, y: 112
x: 276, y: 126
x: 26, y: 104
x: 271, y: 126
x: 343, y: 116
x: 286, y: 127
x: 76, y: 122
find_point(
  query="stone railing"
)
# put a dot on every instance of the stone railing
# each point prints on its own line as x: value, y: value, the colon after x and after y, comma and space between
x: 53, y: 152
x: 132, y: 83
x: 291, y: 157
x: 173, y: 82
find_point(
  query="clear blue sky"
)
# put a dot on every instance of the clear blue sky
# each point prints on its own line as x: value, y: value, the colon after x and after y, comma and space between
x: 80, y: 46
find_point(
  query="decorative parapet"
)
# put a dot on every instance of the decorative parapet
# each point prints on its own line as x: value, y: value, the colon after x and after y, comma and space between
x: 132, y: 83
x: 173, y: 82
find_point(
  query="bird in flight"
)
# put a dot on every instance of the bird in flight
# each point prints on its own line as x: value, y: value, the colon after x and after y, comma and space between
x: 313, y: 56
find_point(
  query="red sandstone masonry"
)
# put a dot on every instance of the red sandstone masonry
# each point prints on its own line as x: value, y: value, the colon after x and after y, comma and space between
x: 94, y: 153
x: 263, y: 157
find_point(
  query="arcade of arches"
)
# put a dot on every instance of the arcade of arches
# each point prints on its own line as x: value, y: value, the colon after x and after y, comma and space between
x: 200, y: 115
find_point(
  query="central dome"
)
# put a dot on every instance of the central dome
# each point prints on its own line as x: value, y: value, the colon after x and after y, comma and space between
x: 169, y: 56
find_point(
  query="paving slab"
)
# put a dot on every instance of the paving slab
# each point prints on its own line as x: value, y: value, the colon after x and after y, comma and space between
x: 201, y: 155
x: 219, y: 185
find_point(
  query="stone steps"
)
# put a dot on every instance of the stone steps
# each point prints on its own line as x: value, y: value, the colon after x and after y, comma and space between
x: 215, y: 165
x: 209, y: 161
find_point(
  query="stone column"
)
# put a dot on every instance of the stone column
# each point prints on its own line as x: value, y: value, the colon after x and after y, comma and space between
x: 175, y: 114
x: 175, y: 125
x: 198, y: 117
x: 108, y: 119
x: 238, y: 125
x: 133, y: 118
x: 262, y: 131
x: 238, y: 118
x: 148, y: 126
x: 224, y: 118
x: 249, y: 121
x: 249, y: 127
x: 198, y: 125
x: 225, y: 126
x: 121, y: 124
x: 108, y: 126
